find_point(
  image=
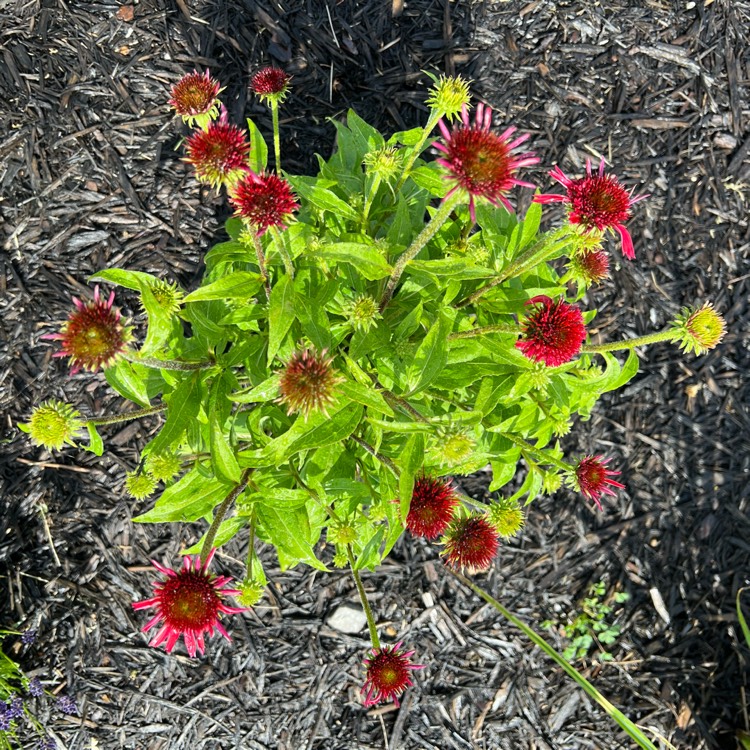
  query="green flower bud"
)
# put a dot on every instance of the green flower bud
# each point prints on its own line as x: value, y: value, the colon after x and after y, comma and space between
x: 701, y: 328
x: 140, y: 484
x: 506, y: 517
x: 342, y: 534
x: 52, y: 424
x: 363, y: 312
x: 449, y: 95
x: 163, y: 466
x: 340, y: 559
x: 251, y: 592
x: 384, y: 163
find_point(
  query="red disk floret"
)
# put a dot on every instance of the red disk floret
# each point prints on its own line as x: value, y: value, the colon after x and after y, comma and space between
x: 270, y: 82
x: 481, y: 162
x: 308, y: 382
x: 593, y: 478
x: 188, y: 603
x: 470, y: 542
x: 596, y: 201
x: 263, y: 200
x: 194, y: 94
x: 433, y: 503
x: 553, y: 332
x: 93, y: 336
x: 592, y: 266
x: 388, y: 674
x: 219, y: 153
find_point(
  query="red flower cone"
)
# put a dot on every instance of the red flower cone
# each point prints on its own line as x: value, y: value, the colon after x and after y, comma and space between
x: 470, y: 543
x: 433, y: 503
x: 388, y: 674
x: 480, y: 161
x: 263, y: 200
x: 189, y: 604
x: 308, y: 382
x: 593, y: 478
x: 553, y: 332
x: 194, y: 97
x: 596, y: 202
x: 270, y: 84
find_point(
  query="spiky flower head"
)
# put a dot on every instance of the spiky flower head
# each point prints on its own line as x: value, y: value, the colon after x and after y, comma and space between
x: 194, y: 98
x: 470, y: 542
x: 388, y: 671
x: 589, y: 267
x: 271, y: 84
x: 506, y: 517
x: 700, y: 329
x: 433, y: 505
x: 481, y: 162
x: 452, y: 445
x: 384, y: 162
x: 308, y: 382
x: 163, y: 466
x: 341, y: 558
x: 167, y: 295
x: 596, y: 202
x: 363, y: 312
x: 251, y: 592
x: 219, y: 153
x: 551, y: 482
x: 342, y: 533
x: 263, y: 200
x: 53, y: 424
x: 93, y: 336
x: 188, y: 603
x: 140, y: 484
x: 553, y: 332
x: 449, y: 96
x: 592, y: 478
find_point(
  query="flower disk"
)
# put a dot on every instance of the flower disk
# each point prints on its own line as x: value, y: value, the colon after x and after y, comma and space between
x: 592, y: 477
x: 271, y: 84
x: 596, y: 202
x: 218, y: 153
x: 433, y: 503
x: 553, y: 332
x: 388, y: 675
x: 93, y: 335
x: 470, y: 543
x: 263, y: 200
x: 194, y: 97
x: 590, y: 267
x: 188, y: 603
x: 308, y: 382
x: 481, y: 162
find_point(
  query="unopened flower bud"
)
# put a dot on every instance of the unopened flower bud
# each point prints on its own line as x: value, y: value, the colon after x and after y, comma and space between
x: 701, y: 328
x: 168, y: 296
x: 384, y: 162
x: 53, y: 424
x: 506, y: 517
x: 140, y: 485
x: 342, y: 534
x: 449, y: 95
x: 340, y: 559
x: 163, y: 466
x: 363, y: 312
x: 251, y: 592
x: 589, y: 267
x: 551, y: 482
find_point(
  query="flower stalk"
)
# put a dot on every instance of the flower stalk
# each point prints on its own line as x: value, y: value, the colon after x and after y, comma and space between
x: 363, y: 598
x: 616, y: 346
x: 221, y: 511
x: 483, y: 330
x: 166, y: 364
x: 276, y: 137
x: 128, y: 417
x: 432, y: 121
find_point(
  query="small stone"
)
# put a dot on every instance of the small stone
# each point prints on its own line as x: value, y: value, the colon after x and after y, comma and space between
x: 725, y: 140
x: 348, y: 618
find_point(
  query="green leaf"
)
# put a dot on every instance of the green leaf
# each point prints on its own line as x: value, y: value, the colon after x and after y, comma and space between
x: 234, y: 227
x: 430, y: 178
x: 289, y: 531
x: 410, y: 462
x: 159, y: 323
x: 184, y: 405
x: 502, y: 473
x: 189, y: 499
x: 741, y: 617
x: 367, y: 135
x: 237, y: 285
x: 281, y: 498
x: 258, y: 149
x: 323, y: 199
x: 258, y: 394
x: 629, y: 371
x: 367, y: 396
x: 456, y: 268
x: 406, y: 137
x: 96, y: 446
x: 365, y: 258
x: 280, y: 314
x: 129, y: 279
x: 223, y: 460
x: 370, y: 556
x: 432, y: 354
x: 228, y: 529
x: 129, y: 380
x: 531, y: 223
x: 400, y: 231
x: 410, y: 323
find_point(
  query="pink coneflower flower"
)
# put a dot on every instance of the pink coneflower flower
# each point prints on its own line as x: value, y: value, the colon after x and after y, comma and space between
x: 433, y: 503
x: 219, y: 153
x: 470, y: 543
x: 93, y: 336
x: 188, y: 603
x: 553, y: 332
x: 308, y: 382
x: 194, y: 97
x: 388, y: 675
x: 271, y: 84
x: 596, y: 202
x: 263, y: 200
x: 592, y: 477
x: 481, y: 162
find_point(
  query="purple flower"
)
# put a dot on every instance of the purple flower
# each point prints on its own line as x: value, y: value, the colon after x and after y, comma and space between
x: 46, y: 743
x: 15, y: 710
x: 28, y: 636
x: 35, y: 688
x: 4, y: 721
x: 67, y: 705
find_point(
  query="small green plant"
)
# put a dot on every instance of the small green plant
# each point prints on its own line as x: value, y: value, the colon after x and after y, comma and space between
x: 591, y: 628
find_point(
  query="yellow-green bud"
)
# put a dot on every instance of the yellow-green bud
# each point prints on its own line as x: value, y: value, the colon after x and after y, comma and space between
x: 168, y: 296
x: 363, y: 312
x: 551, y: 482
x: 507, y: 518
x: 384, y: 163
x: 701, y: 329
x: 342, y: 534
x: 163, y: 466
x: 140, y: 484
x: 251, y: 592
x: 52, y: 424
x: 449, y: 95
x: 340, y: 559
x: 453, y: 446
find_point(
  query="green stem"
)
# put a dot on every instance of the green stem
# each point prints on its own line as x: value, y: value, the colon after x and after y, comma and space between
x: 260, y: 255
x: 166, y: 364
x: 251, y: 549
x: 220, y: 512
x: 432, y: 121
x: 383, y: 459
x: 117, y: 418
x: 632, y: 730
x: 437, y: 221
x: 543, y: 457
x: 543, y: 249
x: 363, y: 598
x: 368, y: 202
x: 616, y: 346
x: 276, y: 139
x: 499, y: 328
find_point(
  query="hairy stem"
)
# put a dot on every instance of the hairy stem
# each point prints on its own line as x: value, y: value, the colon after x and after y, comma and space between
x: 221, y: 511
x: 499, y: 328
x: 417, y: 149
x: 363, y: 598
x: 276, y: 138
x: 117, y: 418
x: 260, y: 255
x: 166, y: 364
x: 616, y: 346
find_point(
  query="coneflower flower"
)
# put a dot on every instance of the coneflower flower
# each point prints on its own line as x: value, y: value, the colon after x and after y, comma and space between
x: 93, y: 336
x: 388, y: 674
x: 596, y: 202
x: 433, y: 503
x: 590, y: 267
x: 553, y: 332
x: 219, y: 153
x: 263, y: 200
x: 271, y: 84
x: 471, y: 543
x: 194, y: 98
x: 188, y: 603
x: 308, y: 382
x: 592, y: 477
x: 701, y: 328
x: 480, y: 161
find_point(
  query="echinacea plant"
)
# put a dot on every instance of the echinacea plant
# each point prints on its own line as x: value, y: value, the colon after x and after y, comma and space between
x: 359, y: 337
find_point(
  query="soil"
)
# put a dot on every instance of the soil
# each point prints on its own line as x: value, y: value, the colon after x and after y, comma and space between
x: 90, y: 178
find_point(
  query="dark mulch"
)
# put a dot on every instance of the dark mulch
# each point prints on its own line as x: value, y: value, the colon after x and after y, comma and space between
x: 90, y: 178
